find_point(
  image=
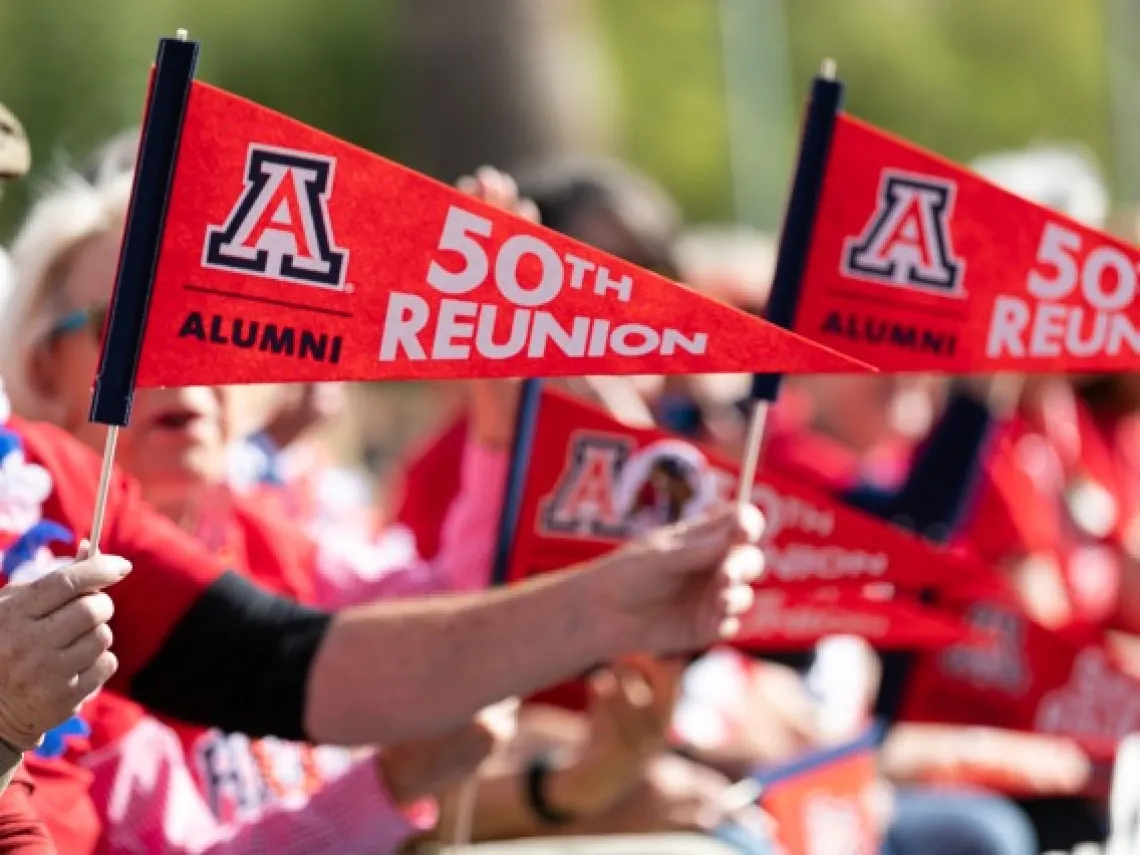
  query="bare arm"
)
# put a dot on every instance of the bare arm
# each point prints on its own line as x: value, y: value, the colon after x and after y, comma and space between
x: 419, y: 667
x: 243, y: 660
x: 395, y: 671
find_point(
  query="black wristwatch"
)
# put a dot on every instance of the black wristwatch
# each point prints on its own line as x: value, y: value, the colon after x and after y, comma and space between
x: 538, y: 770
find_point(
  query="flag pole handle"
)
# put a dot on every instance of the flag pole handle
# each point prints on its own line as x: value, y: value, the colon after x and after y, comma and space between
x: 166, y: 109
x: 792, y: 257
x: 753, y: 448
x: 105, y: 473
x: 526, y: 420
x: 114, y: 386
x: 799, y: 216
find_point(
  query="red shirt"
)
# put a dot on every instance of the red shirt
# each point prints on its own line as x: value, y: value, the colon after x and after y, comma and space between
x: 170, y: 570
x: 21, y: 830
x: 431, y: 480
x: 282, y: 559
x: 170, y: 573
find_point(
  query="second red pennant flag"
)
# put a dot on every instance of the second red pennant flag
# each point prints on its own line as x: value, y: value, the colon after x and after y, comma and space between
x: 917, y: 264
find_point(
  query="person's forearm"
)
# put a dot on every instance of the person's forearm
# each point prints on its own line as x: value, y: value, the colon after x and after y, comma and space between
x: 394, y: 671
x: 913, y: 752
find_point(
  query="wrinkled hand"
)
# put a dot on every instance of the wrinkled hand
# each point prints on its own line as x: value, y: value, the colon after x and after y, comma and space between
x: 425, y: 767
x: 55, y: 645
x: 495, y: 402
x: 498, y: 190
x: 631, y: 707
x: 682, y: 588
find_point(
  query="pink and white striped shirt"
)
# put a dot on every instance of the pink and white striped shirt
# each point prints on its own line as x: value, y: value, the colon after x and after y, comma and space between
x: 158, y: 797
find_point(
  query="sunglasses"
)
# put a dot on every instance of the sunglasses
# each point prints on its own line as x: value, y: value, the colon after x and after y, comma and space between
x: 91, y: 319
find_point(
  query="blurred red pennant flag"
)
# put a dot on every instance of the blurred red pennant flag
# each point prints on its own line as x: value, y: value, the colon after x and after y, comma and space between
x: 917, y: 264
x: 290, y: 255
x: 1011, y: 672
x: 591, y: 482
x: 822, y: 803
x: 786, y: 620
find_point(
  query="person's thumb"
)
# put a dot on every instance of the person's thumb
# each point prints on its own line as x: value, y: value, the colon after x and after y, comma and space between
x: 47, y: 594
x: 704, y: 540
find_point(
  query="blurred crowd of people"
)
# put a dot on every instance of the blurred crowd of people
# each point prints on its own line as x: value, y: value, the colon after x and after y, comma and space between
x: 293, y: 669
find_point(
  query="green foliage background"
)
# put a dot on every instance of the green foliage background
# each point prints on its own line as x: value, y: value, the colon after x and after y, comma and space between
x: 960, y: 76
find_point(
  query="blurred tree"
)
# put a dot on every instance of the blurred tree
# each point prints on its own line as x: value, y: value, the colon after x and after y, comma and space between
x: 964, y: 76
x: 503, y: 82
x: 507, y: 79
x: 672, y: 97
x: 1122, y: 19
x: 960, y: 76
x: 76, y: 72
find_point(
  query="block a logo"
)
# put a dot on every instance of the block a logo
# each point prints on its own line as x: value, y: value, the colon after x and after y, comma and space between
x: 279, y: 227
x: 907, y: 243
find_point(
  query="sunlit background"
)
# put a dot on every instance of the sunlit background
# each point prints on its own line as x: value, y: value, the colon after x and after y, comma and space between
x: 703, y: 95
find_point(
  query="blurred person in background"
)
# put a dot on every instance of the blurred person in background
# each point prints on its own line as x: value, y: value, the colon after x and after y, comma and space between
x: 669, y: 792
x: 857, y: 437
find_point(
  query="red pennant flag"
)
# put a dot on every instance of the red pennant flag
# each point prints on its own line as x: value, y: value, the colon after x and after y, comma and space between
x: 917, y: 264
x: 1014, y: 673
x: 795, y: 620
x: 593, y: 481
x: 290, y: 255
x: 822, y: 803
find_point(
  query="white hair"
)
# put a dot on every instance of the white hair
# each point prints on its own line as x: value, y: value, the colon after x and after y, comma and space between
x: 71, y: 212
x: 1066, y: 178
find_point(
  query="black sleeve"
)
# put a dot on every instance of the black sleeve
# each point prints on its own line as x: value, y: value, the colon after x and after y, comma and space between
x: 238, y: 660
